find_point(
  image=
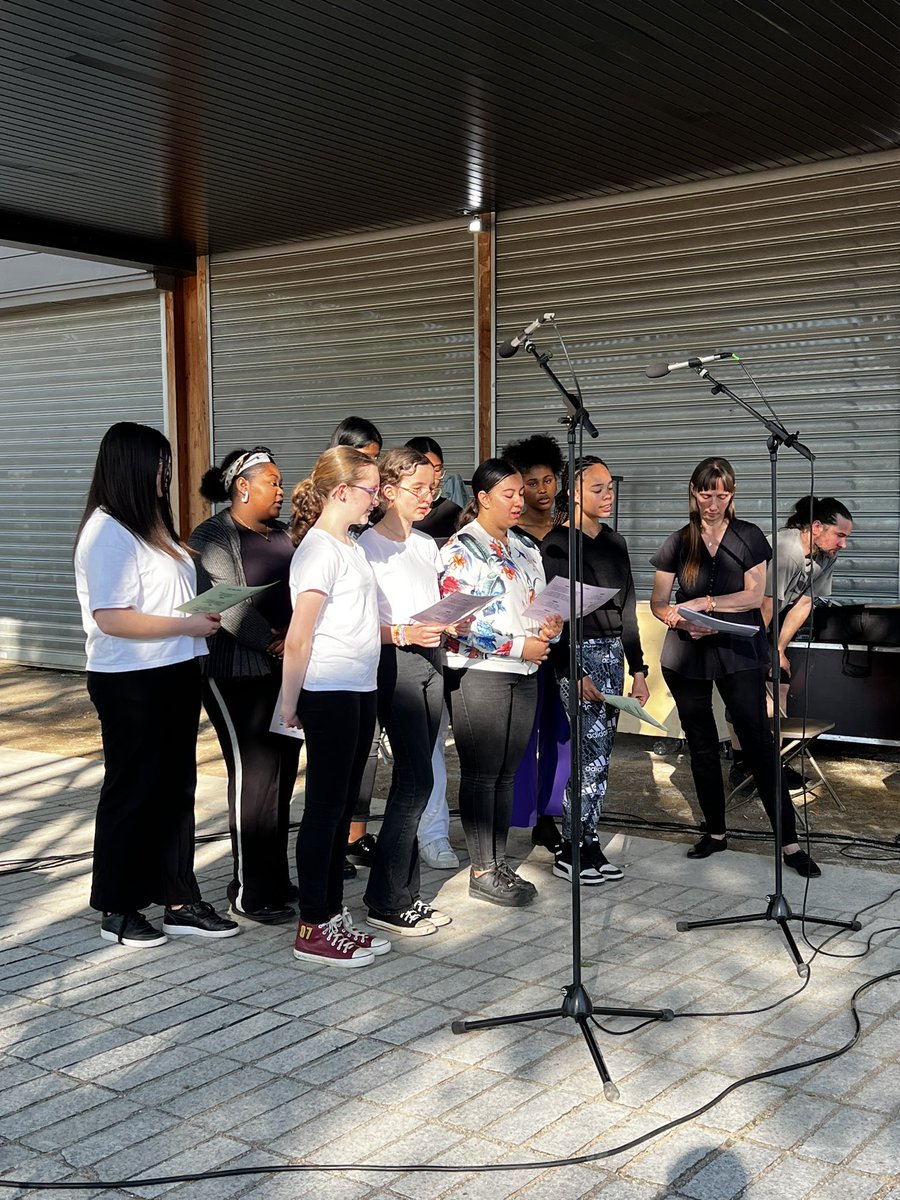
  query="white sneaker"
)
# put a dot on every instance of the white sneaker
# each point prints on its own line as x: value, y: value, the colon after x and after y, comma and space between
x: 440, y: 855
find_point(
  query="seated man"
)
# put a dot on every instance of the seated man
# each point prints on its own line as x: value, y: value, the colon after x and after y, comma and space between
x: 808, y: 546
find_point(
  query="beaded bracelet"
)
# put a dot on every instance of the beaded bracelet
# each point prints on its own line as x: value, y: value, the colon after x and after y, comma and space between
x: 401, y: 631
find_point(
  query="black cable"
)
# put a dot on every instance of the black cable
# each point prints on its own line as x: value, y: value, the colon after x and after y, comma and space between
x: 476, y: 1168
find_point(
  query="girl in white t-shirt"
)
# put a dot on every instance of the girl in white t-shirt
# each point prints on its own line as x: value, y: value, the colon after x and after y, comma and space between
x: 132, y: 573
x: 410, y: 687
x: 330, y: 675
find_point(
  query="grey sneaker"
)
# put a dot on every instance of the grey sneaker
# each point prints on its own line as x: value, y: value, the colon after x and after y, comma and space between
x: 500, y: 885
x: 439, y: 855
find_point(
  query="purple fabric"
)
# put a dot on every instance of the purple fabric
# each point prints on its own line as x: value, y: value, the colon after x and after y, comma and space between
x: 542, y: 776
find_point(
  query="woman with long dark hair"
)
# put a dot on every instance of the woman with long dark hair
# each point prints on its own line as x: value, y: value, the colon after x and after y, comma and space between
x: 331, y: 658
x: 443, y: 516
x: 132, y: 573
x: 496, y: 661
x: 717, y: 564
x: 246, y: 544
x: 410, y: 687
x: 610, y: 638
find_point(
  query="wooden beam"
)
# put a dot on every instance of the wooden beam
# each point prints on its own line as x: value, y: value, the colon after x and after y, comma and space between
x: 187, y: 347
x: 484, y: 337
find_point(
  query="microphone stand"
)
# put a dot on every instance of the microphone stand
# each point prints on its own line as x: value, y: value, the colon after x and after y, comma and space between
x: 577, y: 1004
x: 778, y: 909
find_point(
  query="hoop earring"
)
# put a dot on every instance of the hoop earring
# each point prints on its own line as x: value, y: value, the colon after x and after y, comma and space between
x: 245, y: 497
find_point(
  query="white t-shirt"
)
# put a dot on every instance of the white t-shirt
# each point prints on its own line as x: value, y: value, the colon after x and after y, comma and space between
x: 115, y: 569
x: 346, y: 641
x: 406, y: 572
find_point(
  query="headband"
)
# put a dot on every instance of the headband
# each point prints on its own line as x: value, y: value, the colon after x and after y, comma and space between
x: 253, y: 458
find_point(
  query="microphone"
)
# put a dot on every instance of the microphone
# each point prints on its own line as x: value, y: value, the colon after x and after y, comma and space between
x: 656, y: 370
x: 508, y: 349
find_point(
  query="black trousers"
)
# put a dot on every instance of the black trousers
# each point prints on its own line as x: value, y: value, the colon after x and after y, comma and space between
x: 262, y: 771
x: 493, y: 712
x: 144, y: 835
x: 744, y: 693
x: 338, y: 728
x: 410, y: 700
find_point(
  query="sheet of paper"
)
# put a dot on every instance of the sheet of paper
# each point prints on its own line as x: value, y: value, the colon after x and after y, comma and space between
x: 555, y: 599
x: 629, y: 705
x: 453, y: 608
x: 711, y: 622
x: 276, y: 725
x: 220, y: 597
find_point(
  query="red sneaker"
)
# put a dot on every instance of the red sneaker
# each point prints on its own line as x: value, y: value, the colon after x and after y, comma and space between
x: 330, y: 943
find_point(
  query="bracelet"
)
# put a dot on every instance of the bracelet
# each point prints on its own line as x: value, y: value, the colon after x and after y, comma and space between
x: 395, y: 634
x: 711, y: 607
x: 401, y: 632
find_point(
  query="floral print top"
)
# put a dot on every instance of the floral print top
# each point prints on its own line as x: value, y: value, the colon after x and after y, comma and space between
x: 477, y: 563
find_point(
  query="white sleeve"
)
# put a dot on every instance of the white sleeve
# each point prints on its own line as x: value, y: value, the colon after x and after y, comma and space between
x: 315, y: 567
x: 110, y: 563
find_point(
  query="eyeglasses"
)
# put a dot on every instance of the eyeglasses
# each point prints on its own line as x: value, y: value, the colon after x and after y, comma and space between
x: 420, y: 492
x: 373, y: 492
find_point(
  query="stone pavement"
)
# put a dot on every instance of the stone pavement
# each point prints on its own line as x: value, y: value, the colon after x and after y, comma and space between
x: 193, y: 1057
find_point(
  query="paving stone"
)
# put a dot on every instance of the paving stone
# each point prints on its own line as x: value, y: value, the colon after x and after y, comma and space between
x: 728, y: 1172
x: 793, y: 1120
x: 882, y: 1155
x: 794, y: 1177
x: 842, y: 1135
x: 852, y: 1185
x: 141, y: 1127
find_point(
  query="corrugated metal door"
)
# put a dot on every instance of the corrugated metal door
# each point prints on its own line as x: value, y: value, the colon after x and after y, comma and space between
x: 797, y: 273
x: 382, y: 328
x: 67, y: 372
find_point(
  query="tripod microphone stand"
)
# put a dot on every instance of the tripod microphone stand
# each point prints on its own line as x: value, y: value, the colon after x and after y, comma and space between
x: 577, y: 1004
x: 777, y: 909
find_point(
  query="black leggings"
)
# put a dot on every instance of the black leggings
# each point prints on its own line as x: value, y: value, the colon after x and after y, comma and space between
x: 144, y: 836
x: 493, y: 712
x: 338, y: 728
x: 744, y: 692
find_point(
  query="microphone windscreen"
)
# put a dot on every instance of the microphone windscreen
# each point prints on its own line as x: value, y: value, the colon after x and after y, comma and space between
x: 506, y: 350
x: 656, y: 370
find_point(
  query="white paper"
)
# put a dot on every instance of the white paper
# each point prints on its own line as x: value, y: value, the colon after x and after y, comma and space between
x: 629, y: 705
x: 710, y: 622
x: 452, y: 609
x: 219, y: 597
x: 276, y: 725
x: 554, y: 599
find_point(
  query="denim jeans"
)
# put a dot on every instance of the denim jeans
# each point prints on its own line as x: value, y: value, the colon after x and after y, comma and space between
x: 410, y: 700
x: 493, y: 713
x: 744, y: 692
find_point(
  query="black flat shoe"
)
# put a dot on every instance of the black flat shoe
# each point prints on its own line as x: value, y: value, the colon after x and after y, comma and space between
x: 707, y: 846
x: 546, y: 834
x: 802, y: 864
x: 361, y: 853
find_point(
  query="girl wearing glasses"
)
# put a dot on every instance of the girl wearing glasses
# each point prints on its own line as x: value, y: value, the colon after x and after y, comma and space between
x: 410, y: 687
x: 246, y: 544
x: 330, y: 676
x: 718, y: 563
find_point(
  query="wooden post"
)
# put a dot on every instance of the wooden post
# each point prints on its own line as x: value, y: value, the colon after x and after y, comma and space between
x: 187, y: 356
x: 484, y: 341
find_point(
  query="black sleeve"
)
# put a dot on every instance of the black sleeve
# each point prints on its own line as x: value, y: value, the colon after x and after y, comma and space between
x: 668, y: 556
x: 631, y: 638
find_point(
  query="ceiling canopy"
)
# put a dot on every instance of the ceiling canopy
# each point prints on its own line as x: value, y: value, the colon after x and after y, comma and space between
x: 149, y: 132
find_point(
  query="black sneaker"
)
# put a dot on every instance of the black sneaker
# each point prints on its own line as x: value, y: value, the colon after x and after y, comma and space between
x: 589, y: 873
x: 546, y: 834
x: 501, y: 886
x: 269, y: 914
x: 593, y: 853
x: 361, y: 852
x: 410, y: 923
x: 198, y: 920
x: 131, y: 929
x: 432, y: 914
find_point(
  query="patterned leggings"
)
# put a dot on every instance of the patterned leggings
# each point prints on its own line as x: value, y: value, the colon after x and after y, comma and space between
x: 604, y: 660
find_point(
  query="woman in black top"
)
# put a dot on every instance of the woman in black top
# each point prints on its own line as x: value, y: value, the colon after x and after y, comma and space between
x: 246, y: 544
x: 441, y: 523
x: 610, y: 637
x: 719, y: 564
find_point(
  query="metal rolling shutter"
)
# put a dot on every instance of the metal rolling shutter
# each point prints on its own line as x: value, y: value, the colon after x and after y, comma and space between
x: 796, y: 272
x: 67, y: 372
x: 382, y: 328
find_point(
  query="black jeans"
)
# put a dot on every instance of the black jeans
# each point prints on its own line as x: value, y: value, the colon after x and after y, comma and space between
x: 338, y: 728
x: 410, y: 700
x: 744, y: 692
x: 144, y: 836
x: 262, y: 771
x: 493, y: 712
